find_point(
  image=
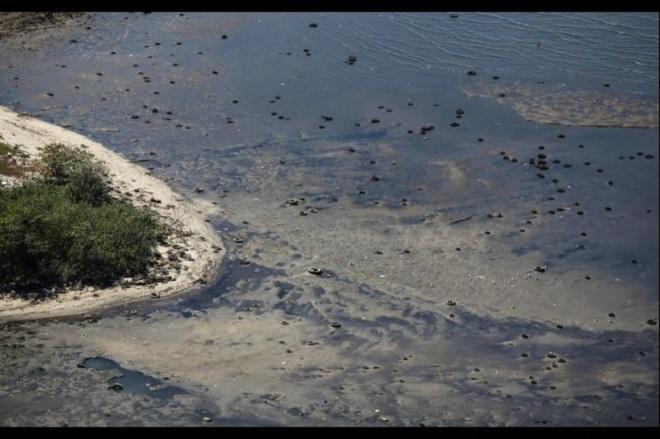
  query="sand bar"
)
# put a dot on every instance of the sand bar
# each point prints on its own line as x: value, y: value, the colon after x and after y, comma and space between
x: 202, y: 244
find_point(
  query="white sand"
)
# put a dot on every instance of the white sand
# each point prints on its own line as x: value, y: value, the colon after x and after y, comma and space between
x: 202, y: 243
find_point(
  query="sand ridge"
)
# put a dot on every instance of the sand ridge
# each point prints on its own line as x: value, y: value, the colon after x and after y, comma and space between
x: 203, y: 246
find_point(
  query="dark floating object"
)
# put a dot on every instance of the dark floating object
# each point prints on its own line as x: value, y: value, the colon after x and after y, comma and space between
x: 454, y: 124
x: 351, y: 60
x: 224, y: 37
x: 540, y: 269
x: 472, y: 73
x: 451, y: 303
x: 375, y: 120
x: 315, y: 270
x: 652, y: 322
x: 460, y: 220
x: 313, y: 25
x: 335, y: 325
x: 116, y: 387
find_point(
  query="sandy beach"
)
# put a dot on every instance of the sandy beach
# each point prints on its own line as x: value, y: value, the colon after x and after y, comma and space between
x: 203, y: 245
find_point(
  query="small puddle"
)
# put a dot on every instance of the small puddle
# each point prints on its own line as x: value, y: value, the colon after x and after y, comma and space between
x: 132, y: 381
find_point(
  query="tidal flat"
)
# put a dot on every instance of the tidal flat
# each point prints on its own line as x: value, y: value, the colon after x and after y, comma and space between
x: 430, y: 219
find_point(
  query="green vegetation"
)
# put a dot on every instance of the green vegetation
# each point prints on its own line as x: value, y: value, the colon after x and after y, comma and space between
x: 7, y: 150
x: 77, y: 170
x: 8, y: 160
x: 64, y: 228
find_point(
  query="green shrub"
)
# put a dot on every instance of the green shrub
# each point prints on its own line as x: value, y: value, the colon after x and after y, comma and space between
x: 9, y: 165
x: 56, y: 232
x: 77, y: 169
x: 7, y: 150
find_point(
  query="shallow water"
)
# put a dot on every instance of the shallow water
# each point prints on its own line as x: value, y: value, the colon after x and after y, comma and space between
x: 454, y: 279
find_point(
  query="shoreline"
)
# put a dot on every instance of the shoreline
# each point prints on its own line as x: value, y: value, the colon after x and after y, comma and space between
x: 202, y: 244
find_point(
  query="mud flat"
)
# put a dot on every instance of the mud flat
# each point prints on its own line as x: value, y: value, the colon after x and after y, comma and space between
x: 203, y: 246
x: 36, y: 27
x: 396, y: 256
x: 557, y: 105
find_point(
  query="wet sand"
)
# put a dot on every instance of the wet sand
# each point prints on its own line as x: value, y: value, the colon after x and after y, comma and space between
x: 391, y: 260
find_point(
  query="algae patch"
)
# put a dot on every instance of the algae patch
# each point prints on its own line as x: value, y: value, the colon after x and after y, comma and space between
x: 558, y: 105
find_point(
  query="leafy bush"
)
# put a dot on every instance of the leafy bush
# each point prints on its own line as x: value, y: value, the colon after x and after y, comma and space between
x: 9, y: 165
x: 7, y: 150
x: 61, y: 230
x: 77, y: 169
